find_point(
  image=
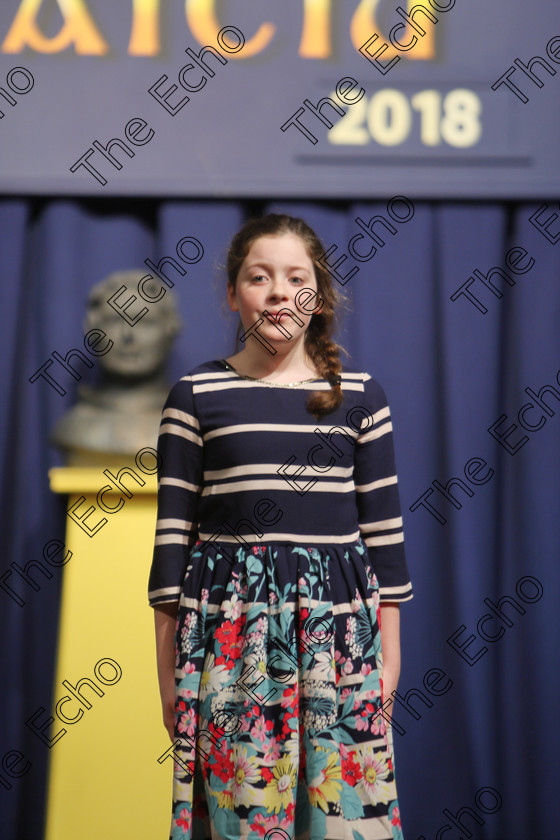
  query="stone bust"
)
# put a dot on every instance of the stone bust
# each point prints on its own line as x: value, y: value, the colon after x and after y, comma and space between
x: 121, y: 414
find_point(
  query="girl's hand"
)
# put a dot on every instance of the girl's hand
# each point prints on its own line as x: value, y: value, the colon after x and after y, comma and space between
x: 165, y: 618
x: 390, y: 682
x: 168, y: 707
x: 389, y: 616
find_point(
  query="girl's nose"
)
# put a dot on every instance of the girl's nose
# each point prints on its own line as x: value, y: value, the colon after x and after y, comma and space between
x: 278, y: 291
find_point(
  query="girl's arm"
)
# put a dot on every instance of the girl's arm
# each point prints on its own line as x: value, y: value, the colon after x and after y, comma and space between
x: 165, y: 618
x: 389, y: 617
x: 180, y: 480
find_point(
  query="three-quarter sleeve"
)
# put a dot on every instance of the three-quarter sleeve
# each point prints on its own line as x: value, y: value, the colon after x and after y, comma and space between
x: 377, y: 496
x: 180, y: 478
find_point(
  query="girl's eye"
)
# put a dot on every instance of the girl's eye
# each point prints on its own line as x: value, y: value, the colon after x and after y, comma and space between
x: 259, y: 277
x: 297, y: 279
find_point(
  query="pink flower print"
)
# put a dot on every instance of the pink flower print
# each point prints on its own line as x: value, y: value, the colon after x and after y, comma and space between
x: 184, y: 820
x: 271, y: 751
x: 187, y: 722
x: 187, y: 693
x: 363, y: 720
x: 260, y: 729
x: 259, y: 825
x: 378, y: 726
x: 245, y: 724
x: 356, y: 603
x: 263, y: 825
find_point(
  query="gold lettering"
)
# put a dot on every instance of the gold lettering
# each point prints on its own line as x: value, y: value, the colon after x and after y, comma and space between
x: 144, y: 33
x: 78, y: 28
x: 204, y: 26
x: 363, y: 25
x: 316, y: 31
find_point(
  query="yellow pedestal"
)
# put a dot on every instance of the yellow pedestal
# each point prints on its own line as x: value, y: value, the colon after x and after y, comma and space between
x: 105, y: 782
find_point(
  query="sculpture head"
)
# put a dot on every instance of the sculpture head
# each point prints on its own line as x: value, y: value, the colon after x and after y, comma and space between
x: 140, y: 349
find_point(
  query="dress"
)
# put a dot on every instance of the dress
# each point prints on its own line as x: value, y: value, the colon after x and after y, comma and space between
x: 279, y: 534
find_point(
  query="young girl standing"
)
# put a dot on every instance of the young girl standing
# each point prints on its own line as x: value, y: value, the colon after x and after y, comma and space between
x: 279, y: 567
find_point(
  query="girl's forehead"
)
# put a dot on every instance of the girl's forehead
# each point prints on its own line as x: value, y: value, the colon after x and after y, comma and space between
x: 284, y: 244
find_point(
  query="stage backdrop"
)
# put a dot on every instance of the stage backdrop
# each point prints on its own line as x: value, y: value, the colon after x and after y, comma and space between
x: 430, y: 98
x: 480, y: 510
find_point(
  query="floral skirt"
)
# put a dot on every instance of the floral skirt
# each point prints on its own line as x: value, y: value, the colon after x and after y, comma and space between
x: 278, y: 682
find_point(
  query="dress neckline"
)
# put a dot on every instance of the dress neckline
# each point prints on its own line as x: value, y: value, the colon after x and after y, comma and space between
x: 267, y: 381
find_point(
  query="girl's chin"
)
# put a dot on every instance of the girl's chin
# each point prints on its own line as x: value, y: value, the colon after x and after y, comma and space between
x: 272, y: 332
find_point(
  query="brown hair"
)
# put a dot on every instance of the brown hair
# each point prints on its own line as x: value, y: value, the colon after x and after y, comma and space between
x: 318, y: 342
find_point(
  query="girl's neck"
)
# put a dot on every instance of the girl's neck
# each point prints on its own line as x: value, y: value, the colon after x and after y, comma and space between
x: 286, y: 369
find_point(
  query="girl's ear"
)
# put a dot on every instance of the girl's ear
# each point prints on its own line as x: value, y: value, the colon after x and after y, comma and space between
x: 231, y: 298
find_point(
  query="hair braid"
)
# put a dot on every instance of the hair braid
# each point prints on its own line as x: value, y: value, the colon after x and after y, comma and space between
x: 324, y: 352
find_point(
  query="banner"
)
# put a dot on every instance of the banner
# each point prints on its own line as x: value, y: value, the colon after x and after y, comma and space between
x: 314, y: 98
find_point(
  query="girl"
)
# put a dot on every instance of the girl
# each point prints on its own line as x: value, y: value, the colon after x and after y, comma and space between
x: 279, y: 567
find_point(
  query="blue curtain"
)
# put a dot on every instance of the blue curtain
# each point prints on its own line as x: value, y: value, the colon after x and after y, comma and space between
x: 478, y: 743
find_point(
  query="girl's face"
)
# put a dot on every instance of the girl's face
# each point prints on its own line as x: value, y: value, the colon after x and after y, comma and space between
x: 271, y: 275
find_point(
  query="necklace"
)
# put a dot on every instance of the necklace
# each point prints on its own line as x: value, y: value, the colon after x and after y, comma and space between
x: 267, y: 381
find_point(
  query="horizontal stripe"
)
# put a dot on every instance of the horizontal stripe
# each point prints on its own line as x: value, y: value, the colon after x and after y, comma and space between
x: 396, y: 590
x: 166, y: 524
x: 320, y: 486
x: 271, y: 469
x: 388, y: 539
x: 166, y: 592
x: 381, y: 525
x: 380, y: 415
x: 246, y: 383
x: 182, y: 416
x: 172, y: 539
x: 226, y: 374
x: 396, y: 593
x: 374, y: 434
x: 179, y: 431
x: 204, y: 387
x: 178, y: 482
x: 376, y: 485
x: 271, y: 427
